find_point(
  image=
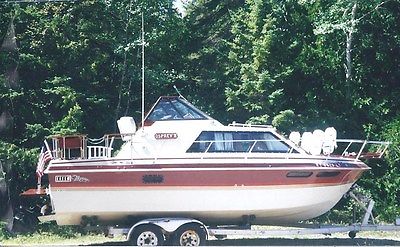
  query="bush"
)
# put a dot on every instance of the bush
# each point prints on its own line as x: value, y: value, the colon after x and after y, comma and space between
x: 389, y: 181
x: 63, y: 231
x: 4, y: 234
x: 20, y: 167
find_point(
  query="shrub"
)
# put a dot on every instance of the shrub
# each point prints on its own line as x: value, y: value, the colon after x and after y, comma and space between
x: 4, y: 234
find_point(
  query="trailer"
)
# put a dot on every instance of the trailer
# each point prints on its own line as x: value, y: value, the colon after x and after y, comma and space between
x: 191, y: 232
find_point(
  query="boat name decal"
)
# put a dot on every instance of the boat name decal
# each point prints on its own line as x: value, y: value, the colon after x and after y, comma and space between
x: 63, y: 179
x: 153, y: 179
x: 165, y: 136
x: 76, y: 178
x: 70, y: 178
x: 333, y: 164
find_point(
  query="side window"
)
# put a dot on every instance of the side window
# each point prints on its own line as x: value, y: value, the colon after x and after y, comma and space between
x: 202, y: 143
x: 270, y: 143
x: 243, y: 142
x: 240, y: 142
x: 213, y: 142
x: 223, y: 142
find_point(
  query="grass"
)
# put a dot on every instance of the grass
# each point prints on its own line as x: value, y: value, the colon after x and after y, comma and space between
x: 51, y: 234
x: 51, y: 239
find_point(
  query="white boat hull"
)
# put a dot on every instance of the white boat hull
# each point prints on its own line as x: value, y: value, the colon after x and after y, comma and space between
x: 212, y: 205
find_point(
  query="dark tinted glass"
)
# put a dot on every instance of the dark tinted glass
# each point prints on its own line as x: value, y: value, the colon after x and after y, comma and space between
x: 174, y: 109
x: 263, y: 142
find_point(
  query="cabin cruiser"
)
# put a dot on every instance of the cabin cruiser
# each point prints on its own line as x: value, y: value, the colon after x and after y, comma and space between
x: 183, y: 163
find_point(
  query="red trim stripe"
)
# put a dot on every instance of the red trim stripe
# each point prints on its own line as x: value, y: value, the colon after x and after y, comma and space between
x: 159, y: 178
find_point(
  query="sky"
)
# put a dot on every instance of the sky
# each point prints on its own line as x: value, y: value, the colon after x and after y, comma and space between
x: 179, y: 5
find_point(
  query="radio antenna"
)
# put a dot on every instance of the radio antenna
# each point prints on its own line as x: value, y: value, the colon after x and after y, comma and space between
x: 143, y: 89
x: 179, y: 93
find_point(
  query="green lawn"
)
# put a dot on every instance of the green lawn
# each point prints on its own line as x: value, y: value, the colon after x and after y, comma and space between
x: 53, y: 239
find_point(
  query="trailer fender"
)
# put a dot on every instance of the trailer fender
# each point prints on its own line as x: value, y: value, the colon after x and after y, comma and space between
x: 168, y: 225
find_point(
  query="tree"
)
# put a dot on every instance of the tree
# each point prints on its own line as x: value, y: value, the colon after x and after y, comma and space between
x: 75, y: 53
x: 266, y: 50
x: 71, y: 58
x: 206, y: 54
x: 343, y: 17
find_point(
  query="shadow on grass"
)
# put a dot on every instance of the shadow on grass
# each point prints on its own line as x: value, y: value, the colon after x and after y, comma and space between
x: 288, y: 242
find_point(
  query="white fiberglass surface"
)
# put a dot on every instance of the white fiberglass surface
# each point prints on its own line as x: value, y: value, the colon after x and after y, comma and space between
x: 280, y: 203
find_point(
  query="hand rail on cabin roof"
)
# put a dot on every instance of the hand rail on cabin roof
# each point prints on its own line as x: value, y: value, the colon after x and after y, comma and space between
x: 382, y: 147
x: 234, y: 124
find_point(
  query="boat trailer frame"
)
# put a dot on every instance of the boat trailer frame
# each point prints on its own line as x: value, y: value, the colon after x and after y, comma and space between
x: 308, y: 229
x: 169, y: 225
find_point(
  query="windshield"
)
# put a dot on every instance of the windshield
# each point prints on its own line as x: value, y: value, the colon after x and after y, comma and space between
x: 174, y: 109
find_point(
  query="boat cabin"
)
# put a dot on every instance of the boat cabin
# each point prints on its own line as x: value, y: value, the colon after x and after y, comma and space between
x: 175, y: 127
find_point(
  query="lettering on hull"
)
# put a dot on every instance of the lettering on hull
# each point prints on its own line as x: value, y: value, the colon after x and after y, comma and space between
x: 63, y: 179
x: 70, y: 178
x: 165, y: 136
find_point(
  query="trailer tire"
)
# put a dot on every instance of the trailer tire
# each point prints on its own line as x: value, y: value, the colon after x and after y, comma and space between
x: 147, y: 235
x: 352, y: 234
x: 189, y: 235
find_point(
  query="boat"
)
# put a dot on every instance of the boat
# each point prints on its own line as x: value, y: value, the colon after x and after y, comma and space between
x: 180, y: 162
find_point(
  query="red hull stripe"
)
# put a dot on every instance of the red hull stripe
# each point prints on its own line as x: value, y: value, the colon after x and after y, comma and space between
x: 165, y: 178
x: 124, y: 165
x: 190, y: 159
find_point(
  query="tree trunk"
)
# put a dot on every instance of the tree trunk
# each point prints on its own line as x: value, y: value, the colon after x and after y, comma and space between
x: 349, y: 45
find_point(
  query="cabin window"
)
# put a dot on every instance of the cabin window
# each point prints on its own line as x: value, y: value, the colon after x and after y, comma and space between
x: 299, y: 174
x: 244, y: 142
x: 174, y: 109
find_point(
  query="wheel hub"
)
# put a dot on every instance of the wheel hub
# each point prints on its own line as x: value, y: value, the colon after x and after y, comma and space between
x: 147, y: 239
x: 190, y: 238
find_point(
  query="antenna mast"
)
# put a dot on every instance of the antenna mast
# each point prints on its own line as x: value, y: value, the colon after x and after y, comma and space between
x: 143, y: 44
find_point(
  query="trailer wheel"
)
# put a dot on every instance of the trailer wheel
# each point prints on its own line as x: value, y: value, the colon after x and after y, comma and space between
x: 189, y: 235
x: 147, y: 235
x: 352, y: 234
